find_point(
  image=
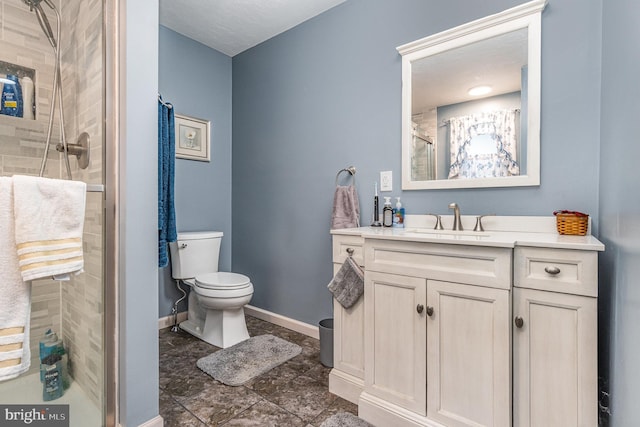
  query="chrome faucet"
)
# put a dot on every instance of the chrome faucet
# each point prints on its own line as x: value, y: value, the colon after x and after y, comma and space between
x: 457, y: 224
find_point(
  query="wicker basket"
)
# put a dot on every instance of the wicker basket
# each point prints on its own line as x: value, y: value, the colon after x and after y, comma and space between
x: 572, y: 223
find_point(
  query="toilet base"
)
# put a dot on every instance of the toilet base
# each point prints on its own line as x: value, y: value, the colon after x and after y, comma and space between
x: 222, y: 328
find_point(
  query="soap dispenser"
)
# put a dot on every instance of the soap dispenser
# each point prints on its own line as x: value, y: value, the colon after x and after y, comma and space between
x: 387, y: 213
x: 398, y: 214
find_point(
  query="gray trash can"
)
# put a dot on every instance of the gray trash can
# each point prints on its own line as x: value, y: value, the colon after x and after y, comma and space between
x: 326, y: 342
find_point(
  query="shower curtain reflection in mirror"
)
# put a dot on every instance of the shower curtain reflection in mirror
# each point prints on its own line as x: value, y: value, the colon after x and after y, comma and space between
x: 484, y: 145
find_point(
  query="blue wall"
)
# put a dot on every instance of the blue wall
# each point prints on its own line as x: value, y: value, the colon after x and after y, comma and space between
x: 197, y: 81
x: 619, y: 301
x: 138, y: 212
x: 327, y: 94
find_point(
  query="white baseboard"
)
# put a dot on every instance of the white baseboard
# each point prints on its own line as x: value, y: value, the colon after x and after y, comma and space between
x: 167, y: 321
x: 285, y: 322
x: 276, y: 319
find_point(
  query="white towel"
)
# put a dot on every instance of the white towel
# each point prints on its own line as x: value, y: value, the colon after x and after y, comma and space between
x: 49, y: 219
x: 15, y: 295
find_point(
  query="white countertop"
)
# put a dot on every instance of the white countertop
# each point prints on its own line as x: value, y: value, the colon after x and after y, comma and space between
x: 490, y: 237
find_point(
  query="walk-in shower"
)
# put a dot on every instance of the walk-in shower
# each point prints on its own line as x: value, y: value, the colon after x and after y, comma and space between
x: 62, y: 43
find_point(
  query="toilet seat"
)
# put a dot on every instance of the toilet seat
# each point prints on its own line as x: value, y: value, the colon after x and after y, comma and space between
x: 223, y: 285
x: 222, y: 280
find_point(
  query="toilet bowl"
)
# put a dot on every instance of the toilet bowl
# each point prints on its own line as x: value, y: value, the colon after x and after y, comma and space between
x: 217, y: 299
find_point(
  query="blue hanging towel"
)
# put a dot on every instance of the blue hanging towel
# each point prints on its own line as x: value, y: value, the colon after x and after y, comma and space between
x: 166, y: 174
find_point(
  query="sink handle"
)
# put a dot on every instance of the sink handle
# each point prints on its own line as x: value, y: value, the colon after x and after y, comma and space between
x: 438, y: 225
x: 478, y: 226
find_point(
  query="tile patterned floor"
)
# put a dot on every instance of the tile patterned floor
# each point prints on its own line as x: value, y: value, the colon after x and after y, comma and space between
x: 295, y: 393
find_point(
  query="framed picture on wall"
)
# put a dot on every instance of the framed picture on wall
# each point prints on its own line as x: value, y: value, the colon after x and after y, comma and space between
x: 193, y: 138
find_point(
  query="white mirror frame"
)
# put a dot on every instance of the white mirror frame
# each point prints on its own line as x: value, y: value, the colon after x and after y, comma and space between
x: 527, y: 15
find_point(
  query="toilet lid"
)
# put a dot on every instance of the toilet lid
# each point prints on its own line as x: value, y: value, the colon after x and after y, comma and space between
x: 222, y: 280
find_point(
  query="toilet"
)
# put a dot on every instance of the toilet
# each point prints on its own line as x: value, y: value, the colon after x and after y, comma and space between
x: 217, y: 299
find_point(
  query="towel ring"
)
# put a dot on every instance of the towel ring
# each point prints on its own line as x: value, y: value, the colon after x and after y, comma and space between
x: 351, y: 170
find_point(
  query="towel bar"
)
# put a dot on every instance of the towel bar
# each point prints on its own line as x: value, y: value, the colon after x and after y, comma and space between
x: 351, y: 170
x: 95, y: 188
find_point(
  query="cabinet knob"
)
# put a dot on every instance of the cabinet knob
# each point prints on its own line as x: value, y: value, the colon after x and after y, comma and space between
x: 419, y: 308
x: 519, y: 321
x: 429, y: 311
x: 552, y: 270
x: 350, y: 251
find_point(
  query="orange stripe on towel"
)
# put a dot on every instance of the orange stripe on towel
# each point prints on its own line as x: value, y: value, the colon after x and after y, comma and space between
x: 10, y: 362
x: 10, y: 347
x: 48, y: 242
x: 30, y: 255
x: 49, y: 263
x: 11, y: 331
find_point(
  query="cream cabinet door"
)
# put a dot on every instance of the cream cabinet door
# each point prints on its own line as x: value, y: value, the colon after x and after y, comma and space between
x: 468, y: 355
x: 348, y: 340
x: 395, y: 339
x: 555, y: 359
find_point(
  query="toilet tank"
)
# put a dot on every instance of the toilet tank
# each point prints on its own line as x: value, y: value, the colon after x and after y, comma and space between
x: 194, y: 253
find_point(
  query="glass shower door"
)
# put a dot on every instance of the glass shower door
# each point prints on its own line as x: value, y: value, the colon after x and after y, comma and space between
x: 73, y: 310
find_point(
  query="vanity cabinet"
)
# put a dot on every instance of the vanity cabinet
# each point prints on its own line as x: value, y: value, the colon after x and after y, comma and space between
x: 437, y: 334
x: 468, y: 355
x: 395, y: 339
x: 347, y: 377
x: 466, y: 334
x: 555, y: 338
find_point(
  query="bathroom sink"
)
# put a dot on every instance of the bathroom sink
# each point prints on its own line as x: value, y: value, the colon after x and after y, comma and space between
x: 450, y: 234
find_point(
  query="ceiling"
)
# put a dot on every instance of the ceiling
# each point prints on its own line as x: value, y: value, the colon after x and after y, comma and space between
x: 233, y: 26
x: 446, y: 77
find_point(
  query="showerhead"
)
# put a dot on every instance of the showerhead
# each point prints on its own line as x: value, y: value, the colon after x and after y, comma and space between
x: 34, y: 3
x: 34, y: 6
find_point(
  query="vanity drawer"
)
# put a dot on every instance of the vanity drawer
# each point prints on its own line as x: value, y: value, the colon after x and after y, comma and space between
x: 557, y: 270
x: 343, y: 244
x: 474, y: 265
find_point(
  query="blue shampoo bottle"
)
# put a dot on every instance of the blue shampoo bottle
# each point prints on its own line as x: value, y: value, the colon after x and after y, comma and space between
x: 11, y: 100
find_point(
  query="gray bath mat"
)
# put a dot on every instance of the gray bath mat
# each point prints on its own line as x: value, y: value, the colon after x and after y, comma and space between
x: 344, y: 419
x: 239, y: 363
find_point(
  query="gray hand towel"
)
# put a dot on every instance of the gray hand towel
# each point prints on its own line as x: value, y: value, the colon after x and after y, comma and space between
x: 346, y: 208
x: 348, y: 284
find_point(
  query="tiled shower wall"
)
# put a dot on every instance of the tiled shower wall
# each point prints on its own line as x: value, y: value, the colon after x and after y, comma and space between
x: 74, y: 308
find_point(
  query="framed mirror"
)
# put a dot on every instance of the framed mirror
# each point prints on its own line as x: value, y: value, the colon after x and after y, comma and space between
x: 471, y: 103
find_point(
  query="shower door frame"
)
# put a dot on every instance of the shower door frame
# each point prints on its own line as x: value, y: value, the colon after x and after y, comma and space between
x: 111, y: 96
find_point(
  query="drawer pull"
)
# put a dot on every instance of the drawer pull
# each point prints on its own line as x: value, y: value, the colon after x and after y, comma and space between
x: 350, y: 251
x: 519, y: 321
x: 429, y: 311
x: 419, y: 308
x: 552, y: 270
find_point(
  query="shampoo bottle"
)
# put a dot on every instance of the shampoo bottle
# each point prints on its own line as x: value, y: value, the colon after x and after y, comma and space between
x: 11, y: 99
x: 387, y: 213
x: 398, y: 214
x: 52, y: 385
x: 51, y: 345
x: 27, y: 97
